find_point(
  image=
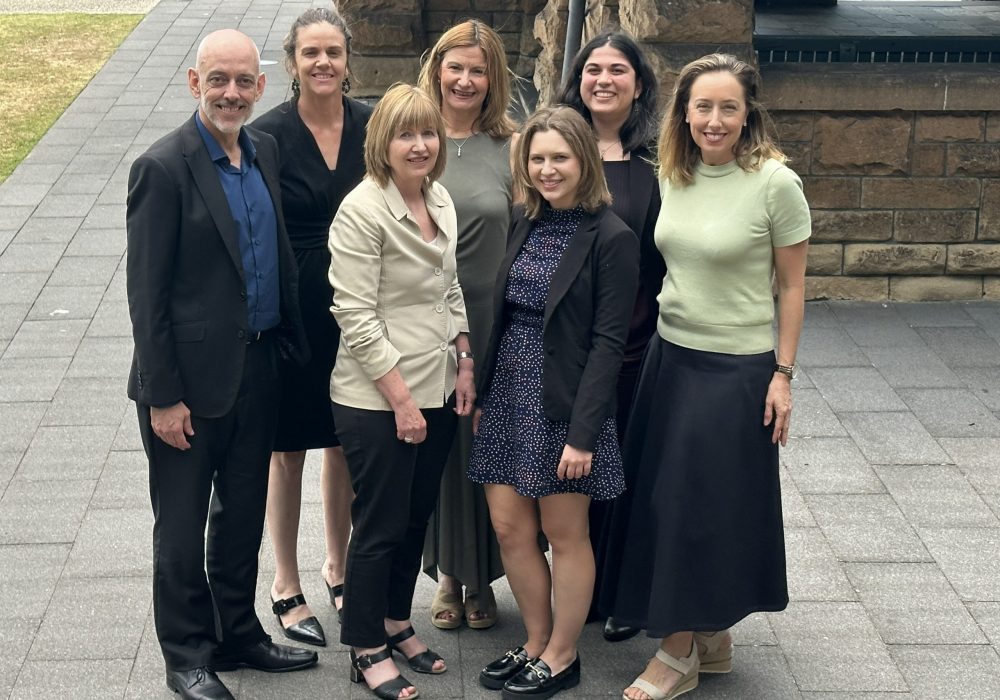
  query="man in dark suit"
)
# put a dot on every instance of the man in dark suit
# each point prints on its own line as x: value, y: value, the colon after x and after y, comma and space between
x: 211, y: 290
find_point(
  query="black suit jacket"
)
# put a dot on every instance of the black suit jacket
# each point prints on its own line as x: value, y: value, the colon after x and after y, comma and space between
x: 586, y: 319
x: 186, y: 290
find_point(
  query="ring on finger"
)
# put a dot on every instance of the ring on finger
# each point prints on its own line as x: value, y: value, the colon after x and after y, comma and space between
x: 408, y: 439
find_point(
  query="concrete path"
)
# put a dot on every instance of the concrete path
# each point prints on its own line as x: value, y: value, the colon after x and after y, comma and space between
x: 892, y: 478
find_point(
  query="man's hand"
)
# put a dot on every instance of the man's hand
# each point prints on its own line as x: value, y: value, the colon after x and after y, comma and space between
x: 173, y: 425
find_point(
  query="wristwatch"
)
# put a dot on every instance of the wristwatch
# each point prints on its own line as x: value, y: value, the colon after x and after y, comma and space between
x: 465, y: 355
x: 790, y: 371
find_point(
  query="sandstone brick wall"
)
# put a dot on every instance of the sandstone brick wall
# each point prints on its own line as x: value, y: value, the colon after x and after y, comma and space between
x: 906, y: 205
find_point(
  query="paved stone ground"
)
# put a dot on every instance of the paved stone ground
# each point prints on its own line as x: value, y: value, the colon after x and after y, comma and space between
x: 891, y: 480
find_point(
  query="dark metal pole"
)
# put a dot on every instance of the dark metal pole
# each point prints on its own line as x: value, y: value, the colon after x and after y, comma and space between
x: 574, y: 34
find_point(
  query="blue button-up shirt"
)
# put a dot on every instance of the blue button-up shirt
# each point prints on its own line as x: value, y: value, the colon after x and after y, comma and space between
x: 257, y: 225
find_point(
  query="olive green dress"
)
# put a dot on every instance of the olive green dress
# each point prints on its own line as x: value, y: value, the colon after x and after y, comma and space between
x: 460, y: 541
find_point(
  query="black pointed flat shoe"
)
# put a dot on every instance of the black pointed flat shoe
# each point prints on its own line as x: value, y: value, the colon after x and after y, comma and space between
x: 422, y: 662
x: 307, y: 631
x: 503, y: 669
x: 536, y: 682
x: 617, y: 632
x: 336, y: 592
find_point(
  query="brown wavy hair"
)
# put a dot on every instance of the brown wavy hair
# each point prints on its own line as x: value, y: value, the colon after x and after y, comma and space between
x: 679, y: 155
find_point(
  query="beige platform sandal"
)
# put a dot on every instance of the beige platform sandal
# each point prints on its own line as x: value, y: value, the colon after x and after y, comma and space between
x: 715, y: 651
x: 687, y: 667
x: 446, y: 602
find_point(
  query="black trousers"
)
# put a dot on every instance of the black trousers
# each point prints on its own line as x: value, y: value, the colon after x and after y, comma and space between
x: 396, y: 488
x: 201, y: 592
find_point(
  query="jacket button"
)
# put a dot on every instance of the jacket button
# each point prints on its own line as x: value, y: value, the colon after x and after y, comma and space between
x: 439, y: 308
x: 437, y: 270
x: 241, y: 334
x: 443, y: 346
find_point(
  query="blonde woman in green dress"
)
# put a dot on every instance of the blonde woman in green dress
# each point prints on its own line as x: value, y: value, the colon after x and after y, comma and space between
x: 466, y: 73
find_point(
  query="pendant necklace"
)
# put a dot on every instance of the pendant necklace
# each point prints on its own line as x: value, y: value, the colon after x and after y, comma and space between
x: 609, y: 147
x: 459, y: 145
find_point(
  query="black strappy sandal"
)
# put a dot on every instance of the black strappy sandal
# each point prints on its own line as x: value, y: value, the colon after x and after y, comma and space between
x: 389, y: 690
x: 336, y: 592
x: 422, y: 662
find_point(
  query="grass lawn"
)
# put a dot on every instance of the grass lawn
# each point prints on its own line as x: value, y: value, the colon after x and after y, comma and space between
x: 45, y: 60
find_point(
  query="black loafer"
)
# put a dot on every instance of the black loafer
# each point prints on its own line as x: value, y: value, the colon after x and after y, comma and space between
x: 614, y: 632
x: 266, y: 656
x: 503, y: 669
x: 307, y: 631
x: 535, y: 681
x: 197, y: 684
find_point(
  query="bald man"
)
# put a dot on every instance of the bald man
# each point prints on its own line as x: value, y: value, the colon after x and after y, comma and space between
x: 211, y: 290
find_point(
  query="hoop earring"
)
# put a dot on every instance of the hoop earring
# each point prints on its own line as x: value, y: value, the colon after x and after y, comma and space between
x: 346, y: 85
x: 296, y: 88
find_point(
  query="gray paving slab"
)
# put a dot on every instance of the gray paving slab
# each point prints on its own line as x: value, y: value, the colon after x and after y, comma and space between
x: 124, y: 483
x: 867, y: 527
x: 834, y: 647
x: 88, y: 401
x: 963, y: 346
x: 28, y: 576
x: 969, y: 558
x: 919, y: 366
x: 113, y: 543
x: 43, y: 512
x: 19, y: 288
x: 829, y: 465
x: 987, y: 615
x: 830, y: 347
x: 913, y: 604
x: 50, y: 338
x: 85, y: 271
x: 893, y: 438
x: 794, y: 510
x: 97, y: 242
x: 935, y: 315
x: 855, y: 389
x: 984, y: 383
x: 951, y: 412
x: 84, y: 680
x: 58, y: 302
x: 814, y: 572
x: 67, y: 451
x: 50, y: 230
x: 31, y: 257
x: 813, y: 416
x: 960, y: 672
x: 102, y: 357
x: 936, y: 496
x: 15, y: 641
x: 31, y: 379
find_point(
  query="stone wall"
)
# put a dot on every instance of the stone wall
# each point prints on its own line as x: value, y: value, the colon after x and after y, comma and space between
x: 903, y: 177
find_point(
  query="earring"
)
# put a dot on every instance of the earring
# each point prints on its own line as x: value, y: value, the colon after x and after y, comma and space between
x: 346, y: 85
x: 296, y: 89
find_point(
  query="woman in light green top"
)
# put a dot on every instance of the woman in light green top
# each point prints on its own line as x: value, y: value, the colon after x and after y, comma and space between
x: 466, y: 74
x: 703, y: 525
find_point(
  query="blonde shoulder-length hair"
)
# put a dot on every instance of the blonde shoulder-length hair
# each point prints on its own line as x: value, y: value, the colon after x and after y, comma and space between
x: 493, y: 119
x: 593, y: 189
x: 678, y: 154
x: 402, y: 107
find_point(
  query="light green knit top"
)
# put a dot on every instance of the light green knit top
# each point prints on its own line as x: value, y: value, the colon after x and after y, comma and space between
x: 717, y: 236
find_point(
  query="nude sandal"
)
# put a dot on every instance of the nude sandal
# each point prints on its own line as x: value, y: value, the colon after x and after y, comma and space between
x: 687, y: 667
x: 715, y: 651
x: 483, y: 603
x: 446, y: 602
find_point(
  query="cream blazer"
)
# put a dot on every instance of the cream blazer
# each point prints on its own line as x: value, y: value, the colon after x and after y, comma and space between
x: 396, y: 297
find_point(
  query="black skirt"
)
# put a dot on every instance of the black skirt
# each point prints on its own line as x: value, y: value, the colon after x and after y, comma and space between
x: 697, y: 542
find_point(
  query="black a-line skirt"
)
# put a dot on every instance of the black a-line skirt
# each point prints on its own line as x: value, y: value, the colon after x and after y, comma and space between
x: 696, y: 542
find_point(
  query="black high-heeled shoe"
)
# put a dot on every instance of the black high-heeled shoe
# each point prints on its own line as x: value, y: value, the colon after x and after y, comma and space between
x: 386, y: 691
x: 336, y: 592
x: 422, y: 662
x: 307, y: 631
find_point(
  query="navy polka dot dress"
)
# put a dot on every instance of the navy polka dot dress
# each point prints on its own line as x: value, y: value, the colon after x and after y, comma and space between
x: 516, y: 444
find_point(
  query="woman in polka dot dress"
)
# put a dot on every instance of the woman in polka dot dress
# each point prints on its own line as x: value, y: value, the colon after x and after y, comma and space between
x: 546, y: 442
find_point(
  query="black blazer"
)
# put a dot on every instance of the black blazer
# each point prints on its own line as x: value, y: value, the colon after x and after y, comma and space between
x: 586, y: 319
x: 186, y: 290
